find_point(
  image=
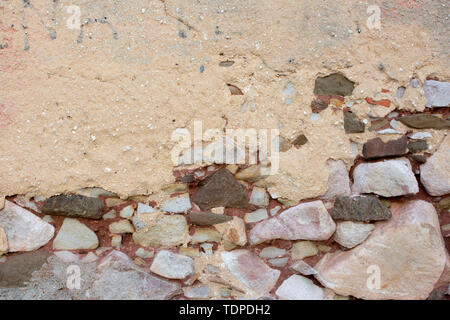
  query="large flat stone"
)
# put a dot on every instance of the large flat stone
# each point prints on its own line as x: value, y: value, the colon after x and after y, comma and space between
x: 172, y: 265
x: 376, y: 148
x: 18, y: 269
x: 74, y: 206
x: 425, y: 121
x: 207, y: 218
x: 408, y: 251
x: 250, y: 270
x: 306, y: 221
x: 435, y: 173
x: 24, y: 231
x: 389, y: 178
x: 333, y: 84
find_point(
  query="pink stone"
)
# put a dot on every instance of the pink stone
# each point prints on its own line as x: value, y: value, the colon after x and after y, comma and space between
x: 435, y: 173
x: 250, y: 270
x: 407, y: 252
x: 338, y: 180
x: 306, y: 221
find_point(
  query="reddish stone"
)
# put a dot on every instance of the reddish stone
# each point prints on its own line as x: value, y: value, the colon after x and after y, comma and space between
x: 383, y: 102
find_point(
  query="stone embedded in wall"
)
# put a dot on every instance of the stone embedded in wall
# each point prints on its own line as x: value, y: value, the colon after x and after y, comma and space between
x: 179, y: 204
x: 303, y: 268
x: 376, y: 148
x: 251, y: 174
x: 352, y: 124
x: 165, y: 231
x: 24, y: 230
x: 297, y: 287
x: 349, y: 234
x: 3, y: 242
x: 435, y: 173
x: 74, y: 235
x: 74, y: 206
x: 233, y: 231
x: 250, y: 270
x: 220, y: 189
x: 306, y: 221
x: 120, y: 278
x: 417, y: 146
x: 388, y: 178
x: 205, y: 235
x: 122, y: 226
x: 425, y: 121
x: 338, y: 180
x: 17, y: 270
x: 333, y: 84
x: 437, y: 93
x: 207, y: 218
x: 360, y: 208
x: 303, y: 249
x: 407, y: 252
x: 172, y: 265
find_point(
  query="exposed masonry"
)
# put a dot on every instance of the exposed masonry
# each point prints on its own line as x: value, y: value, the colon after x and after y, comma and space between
x: 221, y: 235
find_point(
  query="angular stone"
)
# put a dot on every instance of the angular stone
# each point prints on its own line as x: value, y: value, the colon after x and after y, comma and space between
x: 127, y: 212
x: 3, y: 242
x: 74, y: 206
x: 352, y: 124
x: 444, y: 204
x: 144, y: 208
x: 172, y: 265
x: 437, y: 93
x: 303, y: 249
x: 360, y: 208
x: 407, y: 252
x: 17, y: 270
x: 259, y: 197
x: 338, y: 180
x: 220, y: 190
x: 425, y: 121
x: 417, y: 146
x: 389, y: 178
x: 333, y: 84
x: 207, y: 218
x: 178, y: 204
x: 306, y: 221
x: 122, y: 226
x: 233, y: 231
x: 297, y: 287
x: 435, y: 173
x: 256, y: 216
x: 250, y: 270
x: 206, y: 235
x: 349, y: 234
x: 376, y: 148
x: 121, y: 279
x: 251, y: 174
x: 272, y: 252
x: 300, y: 140
x: 24, y: 231
x: 74, y: 235
x: 303, y: 268
x: 165, y: 231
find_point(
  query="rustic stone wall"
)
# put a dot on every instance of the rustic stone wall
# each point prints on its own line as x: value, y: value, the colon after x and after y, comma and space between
x: 95, y: 204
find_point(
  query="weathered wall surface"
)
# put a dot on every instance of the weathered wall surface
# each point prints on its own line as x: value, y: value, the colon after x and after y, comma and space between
x: 97, y: 107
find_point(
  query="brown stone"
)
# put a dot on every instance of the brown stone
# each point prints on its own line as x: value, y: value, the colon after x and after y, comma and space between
x: 376, y: 148
x: 417, y: 146
x: 207, y: 218
x: 220, y: 190
x: 19, y: 268
x: 352, y: 124
x: 74, y: 206
x: 425, y: 121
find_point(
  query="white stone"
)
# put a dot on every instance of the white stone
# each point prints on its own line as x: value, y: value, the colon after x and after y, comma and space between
x: 435, y: 173
x: 197, y: 292
x: 275, y: 210
x: 437, y: 93
x: 388, y: 178
x: 259, y: 197
x: 271, y: 252
x: 178, y: 204
x: 144, y: 254
x: 24, y: 230
x: 172, y: 265
x: 90, y: 257
x: 420, y: 135
x: 26, y: 203
x: 403, y: 258
x: 127, y: 212
x: 74, y: 235
x: 297, y: 287
x: 144, y: 208
x: 3, y: 242
x: 256, y: 216
x: 110, y: 215
x: 67, y: 256
x: 349, y: 234
x: 338, y: 180
x: 302, y: 267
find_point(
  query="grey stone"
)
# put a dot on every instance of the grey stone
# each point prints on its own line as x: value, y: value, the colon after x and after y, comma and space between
x: 18, y: 269
x: 360, y: 208
x: 417, y: 146
x: 74, y: 206
x: 352, y: 124
x: 334, y: 84
x: 207, y: 218
x: 437, y: 93
x: 172, y: 265
x: 425, y: 121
